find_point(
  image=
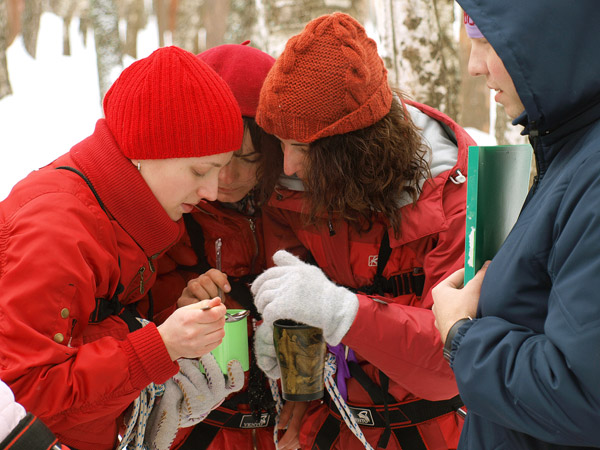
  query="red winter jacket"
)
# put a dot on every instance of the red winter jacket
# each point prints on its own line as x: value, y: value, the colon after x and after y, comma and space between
x: 242, y: 255
x: 400, y: 338
x: 61, y: 254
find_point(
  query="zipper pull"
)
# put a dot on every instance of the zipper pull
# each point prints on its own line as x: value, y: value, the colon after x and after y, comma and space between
x: 71, y: 333
x: 141, y: 272
x: 459, y: 178
x: 255, y: 239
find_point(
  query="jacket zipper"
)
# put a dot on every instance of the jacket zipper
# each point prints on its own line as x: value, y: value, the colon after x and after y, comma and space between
x: 253, y: 229
x: 534, y: 137
x: 141, y: 273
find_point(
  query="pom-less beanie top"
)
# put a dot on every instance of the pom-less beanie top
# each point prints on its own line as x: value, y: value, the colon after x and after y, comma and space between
x: 172, y: 105
x: 329, y: 80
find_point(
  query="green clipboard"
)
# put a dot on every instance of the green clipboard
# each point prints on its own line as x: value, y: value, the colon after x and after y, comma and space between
x: 497, y: 185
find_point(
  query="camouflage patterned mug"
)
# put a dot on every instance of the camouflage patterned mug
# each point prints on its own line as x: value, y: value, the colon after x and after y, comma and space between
x: 301, y: 356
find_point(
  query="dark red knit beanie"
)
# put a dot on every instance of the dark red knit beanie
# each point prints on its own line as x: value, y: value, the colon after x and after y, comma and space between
x: 172, y: 105
x: 244, y: 68
x: 329, y: 80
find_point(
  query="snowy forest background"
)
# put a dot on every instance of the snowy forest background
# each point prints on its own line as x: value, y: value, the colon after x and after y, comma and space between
x: 58, y: 58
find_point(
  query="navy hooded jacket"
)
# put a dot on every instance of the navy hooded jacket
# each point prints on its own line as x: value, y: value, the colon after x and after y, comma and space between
x: 528, y: 367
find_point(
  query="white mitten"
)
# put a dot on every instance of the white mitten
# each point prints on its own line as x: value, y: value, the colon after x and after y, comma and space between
x: 11, y: 412
x: 301, y: 292
x: 189, y: 397
x: 264, y: 349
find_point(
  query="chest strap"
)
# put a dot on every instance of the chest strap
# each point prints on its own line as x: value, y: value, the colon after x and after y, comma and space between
x: 112, y: 307
x: 128, y: 313
x: 405, y: 283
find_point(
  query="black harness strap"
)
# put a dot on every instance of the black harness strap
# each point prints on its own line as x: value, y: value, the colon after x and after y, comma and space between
x: 30, y: 433
x: 113, y: 307
x: 328, y: 433
x: 201, y: 436
x: 398, y: 418
x: 385, y: 384
x: 411, y: 282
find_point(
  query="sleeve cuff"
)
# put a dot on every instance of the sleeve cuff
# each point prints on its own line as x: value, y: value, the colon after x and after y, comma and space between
x: 448, y: 347
x: 151, y: 362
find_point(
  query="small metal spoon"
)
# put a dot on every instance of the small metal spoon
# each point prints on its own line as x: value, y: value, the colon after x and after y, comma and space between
x: 218, y: 263
x: 231, y: 317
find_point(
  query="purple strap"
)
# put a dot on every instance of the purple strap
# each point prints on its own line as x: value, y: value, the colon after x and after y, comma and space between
x: 343, y: 371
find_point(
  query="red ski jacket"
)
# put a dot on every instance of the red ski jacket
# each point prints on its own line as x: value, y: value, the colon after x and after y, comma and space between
x: 398, y: 338
x: 66, y: 247
x: 232, y: 426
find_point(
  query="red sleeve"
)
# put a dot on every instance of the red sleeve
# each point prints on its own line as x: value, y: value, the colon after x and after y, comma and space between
x: 412, y: 354
x: 55, y: 253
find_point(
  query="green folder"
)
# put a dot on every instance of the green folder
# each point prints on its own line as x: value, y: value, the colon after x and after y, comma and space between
x: 497, y: 185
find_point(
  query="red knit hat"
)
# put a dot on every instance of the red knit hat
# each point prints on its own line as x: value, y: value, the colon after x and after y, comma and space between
x: 244, y: 68
x: 329, y: 80
x: 172, y: 105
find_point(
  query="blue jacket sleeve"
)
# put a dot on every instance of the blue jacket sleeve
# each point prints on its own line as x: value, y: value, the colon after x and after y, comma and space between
x: 540, y: 376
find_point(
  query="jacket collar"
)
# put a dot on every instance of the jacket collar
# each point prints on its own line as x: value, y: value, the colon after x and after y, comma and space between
x: 124, y: 192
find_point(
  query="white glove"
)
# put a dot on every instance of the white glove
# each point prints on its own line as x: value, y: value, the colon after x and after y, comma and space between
x: 301, y: 292
x: 189, y: 397
x: 11, y: 412
x: 264, y: 349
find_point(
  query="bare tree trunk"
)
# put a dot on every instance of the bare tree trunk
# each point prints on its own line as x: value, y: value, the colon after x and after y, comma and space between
x: 278, y: 20
x: 15, y: 11
x: 187, y: 25
x: 105, y: 21
x: 66, y: 9
x: 85, y: 22
x: 5, y: 88
x: 242, y: 23
x: 31, y: 24
x: 419, y: 50
x: 161, y: 10
x: 214, y: 19
x: 135, y: 16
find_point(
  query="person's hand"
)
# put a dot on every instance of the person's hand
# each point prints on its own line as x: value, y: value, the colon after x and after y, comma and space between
x: 301, y: 292
x: 189, y: 397
x: 290, y: 420
x: 452, y: 301
x: 205, y: 286
x: 264, y: 349
x: 191, y: 332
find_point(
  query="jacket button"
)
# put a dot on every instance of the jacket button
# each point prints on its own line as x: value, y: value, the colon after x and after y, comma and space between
x: 58, y: 337
x: 64, y: 313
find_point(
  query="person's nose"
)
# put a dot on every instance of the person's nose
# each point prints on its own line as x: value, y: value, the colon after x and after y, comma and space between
x: 227, y: 174
x: 477, y: 65
x: 292, y: 160
x: 210, y: 190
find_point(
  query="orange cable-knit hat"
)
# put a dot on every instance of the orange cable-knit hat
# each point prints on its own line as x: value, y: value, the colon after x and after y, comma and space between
x: 329, y: 80
x: 172, y: 105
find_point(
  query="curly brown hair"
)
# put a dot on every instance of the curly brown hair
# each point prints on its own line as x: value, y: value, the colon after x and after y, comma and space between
x: 267, y: 146
x: 357, y: 174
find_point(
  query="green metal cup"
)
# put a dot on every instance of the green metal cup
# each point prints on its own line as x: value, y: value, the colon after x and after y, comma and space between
x: 300, y: 353
x: 234, y: 344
